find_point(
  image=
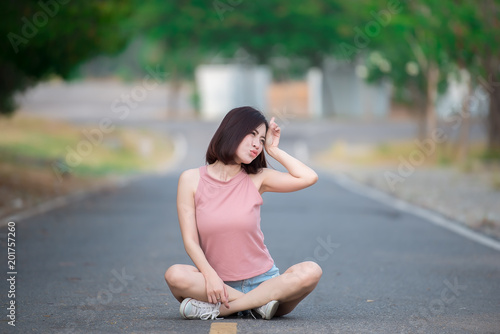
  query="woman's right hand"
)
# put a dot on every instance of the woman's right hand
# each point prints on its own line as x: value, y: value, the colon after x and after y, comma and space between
x: 216, y: 290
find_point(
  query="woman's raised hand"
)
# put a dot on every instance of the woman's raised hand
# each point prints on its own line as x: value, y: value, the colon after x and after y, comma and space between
x: 272, y: 136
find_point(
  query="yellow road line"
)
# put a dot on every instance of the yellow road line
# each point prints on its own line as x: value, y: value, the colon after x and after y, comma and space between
x: 223, y: 328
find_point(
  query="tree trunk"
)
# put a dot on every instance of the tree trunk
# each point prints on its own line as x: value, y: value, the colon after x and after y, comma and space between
x: 494, y: 120
x: 430, y: 110
x: 463, y: 137
x: 492, y: 85
x: 420, y: 103
x: 173, y: 95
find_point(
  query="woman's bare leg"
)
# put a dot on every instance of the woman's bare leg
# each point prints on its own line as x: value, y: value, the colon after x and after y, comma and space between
x: 289, y: 288
x: 187, y: 281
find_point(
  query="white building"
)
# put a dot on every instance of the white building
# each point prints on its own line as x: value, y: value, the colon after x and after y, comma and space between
x: 346, y: 93
x: 224, y: 87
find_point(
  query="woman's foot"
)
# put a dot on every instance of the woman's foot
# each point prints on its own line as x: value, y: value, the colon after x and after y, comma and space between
x: 195, y: 309
x: 267, y: 311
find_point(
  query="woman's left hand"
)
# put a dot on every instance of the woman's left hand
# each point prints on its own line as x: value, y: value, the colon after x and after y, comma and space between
x: 272, y: 136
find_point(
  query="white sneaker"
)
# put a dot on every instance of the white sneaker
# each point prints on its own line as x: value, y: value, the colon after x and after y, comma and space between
x: 267, y: 311
x: 195, y: 309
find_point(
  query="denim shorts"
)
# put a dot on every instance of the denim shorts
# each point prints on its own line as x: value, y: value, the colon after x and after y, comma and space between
x: 249, y: 284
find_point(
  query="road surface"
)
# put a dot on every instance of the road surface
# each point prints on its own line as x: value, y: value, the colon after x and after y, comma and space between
x: 97, y: 265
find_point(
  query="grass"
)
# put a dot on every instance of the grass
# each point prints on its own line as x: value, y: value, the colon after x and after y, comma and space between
x: 120, y: 151
x: 35, y: 163
x: 391, y: 154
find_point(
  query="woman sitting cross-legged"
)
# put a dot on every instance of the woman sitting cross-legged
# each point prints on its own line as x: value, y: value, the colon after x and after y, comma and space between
x: 219, y: 214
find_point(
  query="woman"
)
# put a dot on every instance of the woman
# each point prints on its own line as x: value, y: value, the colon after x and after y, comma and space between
x: 219, y: 214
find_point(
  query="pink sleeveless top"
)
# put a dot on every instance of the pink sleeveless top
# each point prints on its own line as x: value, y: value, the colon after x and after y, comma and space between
x: 228, y: 220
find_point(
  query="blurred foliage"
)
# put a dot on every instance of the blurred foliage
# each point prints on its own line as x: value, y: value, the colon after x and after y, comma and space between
x: 405, y: 41
x: 41, y: 38
x: 189, y: 32
x: 452, y: 34
x: 179, y: 35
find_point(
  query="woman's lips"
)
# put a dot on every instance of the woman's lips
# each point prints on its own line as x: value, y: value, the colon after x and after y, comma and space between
x: 254, y: 152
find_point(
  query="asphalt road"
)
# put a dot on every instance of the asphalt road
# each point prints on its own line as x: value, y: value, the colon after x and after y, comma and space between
x: 97, y: 265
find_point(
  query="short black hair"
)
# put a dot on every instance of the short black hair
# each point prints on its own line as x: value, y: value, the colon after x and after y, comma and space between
x: 237, y: 123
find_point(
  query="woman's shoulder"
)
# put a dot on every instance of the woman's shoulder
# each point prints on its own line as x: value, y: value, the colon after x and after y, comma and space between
x: 190, y: 177
x: 191, y: 172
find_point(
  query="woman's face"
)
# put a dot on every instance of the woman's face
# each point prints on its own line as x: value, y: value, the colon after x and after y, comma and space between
x: 251, y: 146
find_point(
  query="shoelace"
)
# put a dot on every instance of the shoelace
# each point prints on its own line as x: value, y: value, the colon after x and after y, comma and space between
x: 206, y: 310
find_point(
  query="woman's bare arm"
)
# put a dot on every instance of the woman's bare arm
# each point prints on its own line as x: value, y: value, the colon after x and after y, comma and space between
x: 299, y: 175
x: 187, y: 220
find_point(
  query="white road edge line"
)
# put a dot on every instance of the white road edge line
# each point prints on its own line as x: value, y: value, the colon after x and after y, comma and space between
x: 402, y: 205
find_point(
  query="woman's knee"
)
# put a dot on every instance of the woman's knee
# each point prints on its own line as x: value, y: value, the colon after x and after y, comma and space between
x: 312, y: 273
x: 176, y: 276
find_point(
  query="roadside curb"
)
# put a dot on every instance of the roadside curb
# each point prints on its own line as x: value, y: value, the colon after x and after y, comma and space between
x: 399, y: 204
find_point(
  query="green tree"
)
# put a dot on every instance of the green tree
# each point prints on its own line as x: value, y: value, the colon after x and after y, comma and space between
x: 478, y: 45
x: 263, y: 28
x: 429, y: 40
x: 43, y: 38
x: 192, y: 32
x: 411, y: 50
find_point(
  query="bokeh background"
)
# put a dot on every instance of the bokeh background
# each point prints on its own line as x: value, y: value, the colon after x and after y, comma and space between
x: 401, y: 95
